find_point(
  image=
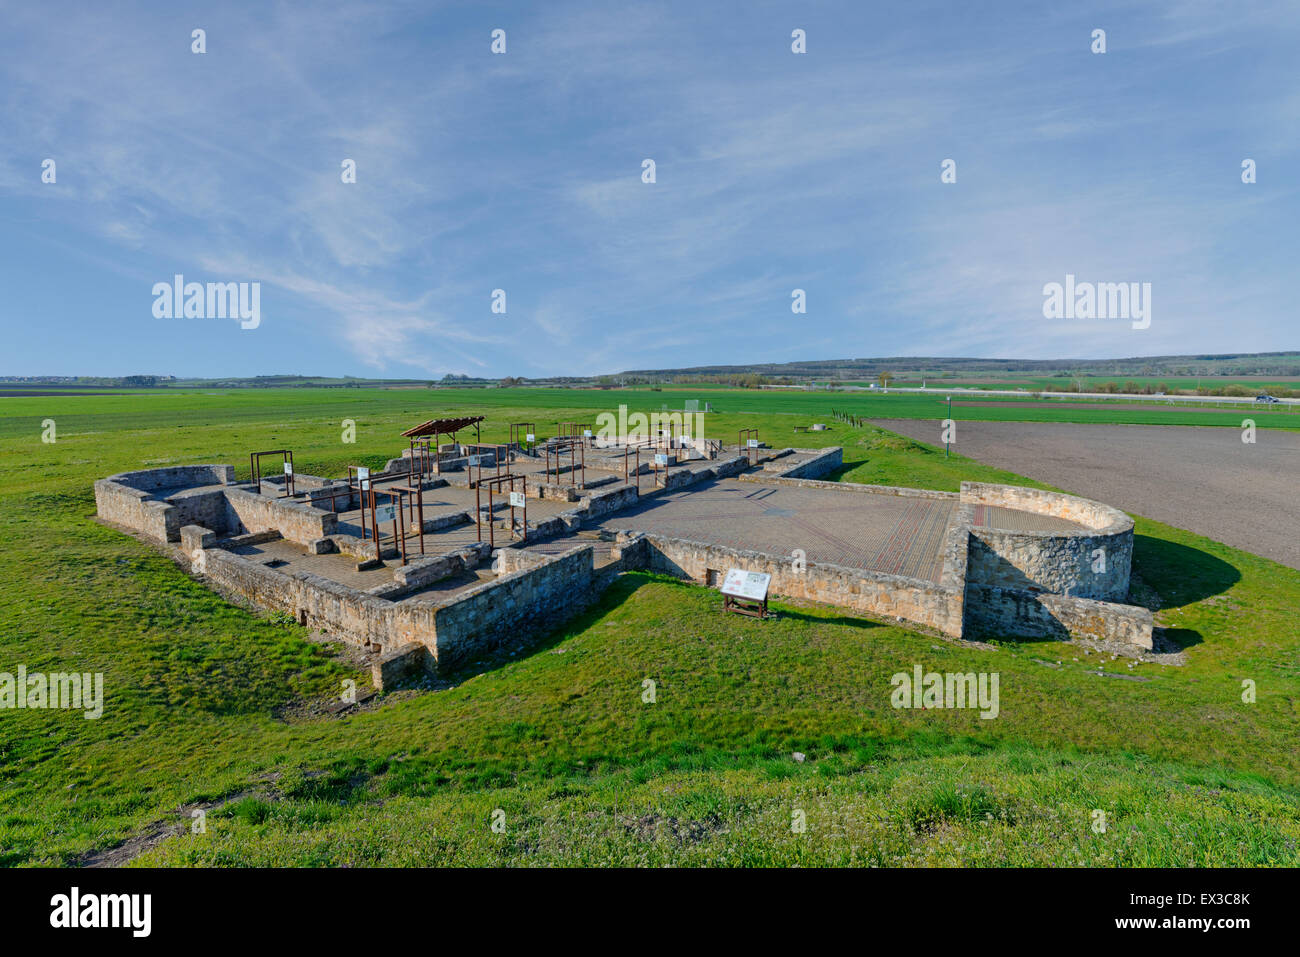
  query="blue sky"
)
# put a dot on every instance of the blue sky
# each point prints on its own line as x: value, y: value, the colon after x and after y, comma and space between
x: 522, y: 172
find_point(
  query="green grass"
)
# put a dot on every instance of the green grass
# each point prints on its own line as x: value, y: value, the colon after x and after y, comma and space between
x: 204, y: 700
x: 312, y: 418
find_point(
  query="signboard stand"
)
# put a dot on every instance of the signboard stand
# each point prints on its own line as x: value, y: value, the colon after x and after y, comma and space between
x: 745, y: 593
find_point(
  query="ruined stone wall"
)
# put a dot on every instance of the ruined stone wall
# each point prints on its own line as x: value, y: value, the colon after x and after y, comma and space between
x: 250, y: 512
x: 132, y: 498
x: 603, y: 503
x: 175, y: 477
x: 937, y: 606
x: 314, y: 601
x: 993, y: 612
x: 132, y: 508
x: 523, y: 602
x: 898, y: 490
x: 1093, y: 564
x: 826, y: 460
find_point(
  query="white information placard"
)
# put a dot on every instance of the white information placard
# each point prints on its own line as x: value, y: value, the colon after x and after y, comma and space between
x: 661, y: 459
x: 363, y: 478
x: 385, y: 513
x: 517, y: 499
x: 288, y: 468
x: 752, y: 443
x: 743, y: 584
x: 531, y: 438
x: 586, y: 433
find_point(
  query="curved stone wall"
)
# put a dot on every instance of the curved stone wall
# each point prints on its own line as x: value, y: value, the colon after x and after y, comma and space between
x: 176, y: 476
x: 1092, y: 563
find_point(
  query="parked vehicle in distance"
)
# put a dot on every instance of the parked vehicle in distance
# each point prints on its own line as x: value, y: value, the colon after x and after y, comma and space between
x: 1265, y: 397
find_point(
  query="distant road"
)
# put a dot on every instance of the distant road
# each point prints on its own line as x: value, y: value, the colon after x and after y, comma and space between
x: 1201, y: 478
x: 1023, y: 394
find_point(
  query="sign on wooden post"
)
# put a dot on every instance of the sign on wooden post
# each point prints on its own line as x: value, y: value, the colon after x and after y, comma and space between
x: 745, y: 593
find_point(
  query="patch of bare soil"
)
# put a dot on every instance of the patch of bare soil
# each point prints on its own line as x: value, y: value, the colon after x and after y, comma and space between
x: 179, y: 823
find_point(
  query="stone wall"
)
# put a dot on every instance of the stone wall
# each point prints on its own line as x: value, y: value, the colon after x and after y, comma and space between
x: 603, y: 503
x: 937, y: 606
x: 1093, y: 564
x: 132, y: 499
x: 822, y: 461
x: 897, y: 490
x: 521, y: 603
x: 249, y: 512
x: 176, y: 477
x: 1007, y: 612
x: 312, y: 600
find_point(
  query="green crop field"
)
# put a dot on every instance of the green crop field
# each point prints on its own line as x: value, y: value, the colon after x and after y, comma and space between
x: 211, y: 707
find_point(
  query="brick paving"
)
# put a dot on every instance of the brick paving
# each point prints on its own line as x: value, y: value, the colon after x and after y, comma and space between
x: 1014, y: 520
x: 886, y: 533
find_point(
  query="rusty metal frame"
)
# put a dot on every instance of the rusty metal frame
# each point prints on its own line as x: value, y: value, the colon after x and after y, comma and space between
x: 422, y: 457
x: 496, y: 484
x: 575, y: 430
x: 660, y: 482
x: 745, y: 434
x: 354, y: 485
x: 255, y: 470
x: 415, y: 508
x: 577, y: 458
x: 399, y: 525
x: 500, y: 456
x: 519, y: 432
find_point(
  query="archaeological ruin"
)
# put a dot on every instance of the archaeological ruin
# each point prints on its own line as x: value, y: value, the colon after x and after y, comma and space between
x: 457, y: 548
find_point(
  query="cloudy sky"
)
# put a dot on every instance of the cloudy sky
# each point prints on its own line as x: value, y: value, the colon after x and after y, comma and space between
x: 523, y: 171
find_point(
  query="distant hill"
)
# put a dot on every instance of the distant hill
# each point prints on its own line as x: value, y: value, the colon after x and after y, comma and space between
x: 1236, y: 364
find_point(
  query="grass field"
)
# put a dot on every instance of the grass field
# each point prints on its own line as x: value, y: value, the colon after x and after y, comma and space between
x: 210, y: 706
x: 316, y: 415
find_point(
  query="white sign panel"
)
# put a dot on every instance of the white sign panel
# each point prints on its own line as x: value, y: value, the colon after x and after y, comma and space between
x: 288, y: 468
x: 743, y: 584
x: 752, y: 443
x: 516, y: 499
x: 385, y: 513
x: 661, y: 459
x: 586, y: 433
x: 531, y: 438
x: 363, y: 478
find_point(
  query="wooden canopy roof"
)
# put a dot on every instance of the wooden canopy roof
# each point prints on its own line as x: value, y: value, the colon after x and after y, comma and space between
x: 443, y: 426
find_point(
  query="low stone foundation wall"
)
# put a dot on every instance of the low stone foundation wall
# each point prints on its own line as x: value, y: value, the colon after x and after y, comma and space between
x: 249, y: 512
x: 823, y: 461
x: 1006, y: 612
x: 522, y: 602
x: 1092, y: 564
x: 898, y: 490
x: 132, y: 499
x: 926, y: 603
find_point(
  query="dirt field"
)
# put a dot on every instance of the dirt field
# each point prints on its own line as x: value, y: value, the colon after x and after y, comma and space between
x: 1203, y: 479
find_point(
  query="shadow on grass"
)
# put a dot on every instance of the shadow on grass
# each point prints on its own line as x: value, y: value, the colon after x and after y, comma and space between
x: 619, y: 590
x: 1180, y: 575
x: 784, y: 611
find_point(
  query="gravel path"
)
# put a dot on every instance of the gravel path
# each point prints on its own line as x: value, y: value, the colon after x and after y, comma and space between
x: 1204, y: 479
